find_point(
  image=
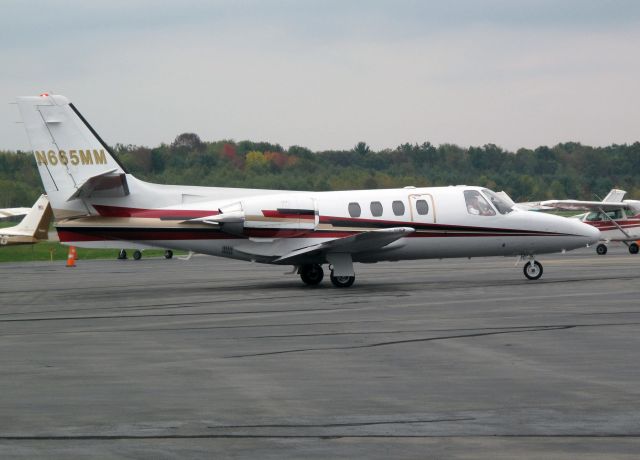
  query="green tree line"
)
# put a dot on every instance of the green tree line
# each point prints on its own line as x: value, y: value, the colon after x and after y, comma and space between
x: 565, y: 170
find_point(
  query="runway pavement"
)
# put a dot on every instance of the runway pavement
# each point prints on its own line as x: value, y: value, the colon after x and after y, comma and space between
x: 211, y: 358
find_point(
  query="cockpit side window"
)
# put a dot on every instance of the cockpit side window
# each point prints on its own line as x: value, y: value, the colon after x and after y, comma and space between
x: 501, y: 205
x: 615, y: 215
x: 477, y: 204
x: 594, y: 216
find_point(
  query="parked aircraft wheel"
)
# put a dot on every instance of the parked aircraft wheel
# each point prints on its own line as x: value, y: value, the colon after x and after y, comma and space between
x: 533, y: 270
x: 122, y: 255
x: 342, y: 281
x: 311, y: 274
x: 601, y: 249
x: 633, y: 248
x: 137, y: 255
x: 168, y: 254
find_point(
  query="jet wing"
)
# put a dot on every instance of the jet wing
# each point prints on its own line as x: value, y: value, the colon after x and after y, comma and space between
x: 576, y: 205
x: 361, y: 242
x: 10, y: 212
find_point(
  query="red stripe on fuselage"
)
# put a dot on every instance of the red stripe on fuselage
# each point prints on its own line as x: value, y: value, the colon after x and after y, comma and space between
x: 280, y: 215
x: 118, y: 211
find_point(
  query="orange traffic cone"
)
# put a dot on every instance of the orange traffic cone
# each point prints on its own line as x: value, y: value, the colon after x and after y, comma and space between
x: 71, y: 258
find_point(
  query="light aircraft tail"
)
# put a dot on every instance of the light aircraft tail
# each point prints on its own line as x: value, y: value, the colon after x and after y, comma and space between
x: 36, y: 222
x: 614, y: 196
x: 72, y: 159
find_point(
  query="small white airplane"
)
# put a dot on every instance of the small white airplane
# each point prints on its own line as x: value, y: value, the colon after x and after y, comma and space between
x: 617, y: 219
x: 32, y: 228
x: 95, y: 201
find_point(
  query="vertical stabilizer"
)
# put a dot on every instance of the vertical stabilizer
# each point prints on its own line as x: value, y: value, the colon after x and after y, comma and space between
x: 36, y: 222
x: 72, y: 159
x: 614, y: 196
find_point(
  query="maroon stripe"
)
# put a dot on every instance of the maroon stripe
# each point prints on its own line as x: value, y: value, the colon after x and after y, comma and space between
x: 117, y: 211
x: 278, y: 214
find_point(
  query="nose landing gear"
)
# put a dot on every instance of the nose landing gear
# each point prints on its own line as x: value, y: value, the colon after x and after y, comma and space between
x: 532, y: 269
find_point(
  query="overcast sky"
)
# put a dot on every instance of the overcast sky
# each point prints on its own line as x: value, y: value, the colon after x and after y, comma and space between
x: 327, y: 74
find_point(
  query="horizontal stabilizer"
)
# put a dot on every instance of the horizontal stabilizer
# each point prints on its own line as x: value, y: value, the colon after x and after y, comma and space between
x: 10, y: 212
x: 361, y: 242
x: 109, y: 183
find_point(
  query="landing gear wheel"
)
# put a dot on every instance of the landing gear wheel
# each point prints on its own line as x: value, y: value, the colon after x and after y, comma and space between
x: 122, y: 255
x: 342, y: 281
x: 311, y: 274
x: 533, y: 270
x: 137, y: 255
x: 168, y: 254
x: 633, y: 248
x: 601, y: 249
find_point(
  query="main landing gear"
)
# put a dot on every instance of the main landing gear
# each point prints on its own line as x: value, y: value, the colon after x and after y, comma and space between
x: 137, y: 254
x: 532, y: 269
x: 601, y: 249
x: 312, y: 275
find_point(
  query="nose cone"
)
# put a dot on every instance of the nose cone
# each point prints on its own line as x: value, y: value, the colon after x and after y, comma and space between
x: 591, y: 233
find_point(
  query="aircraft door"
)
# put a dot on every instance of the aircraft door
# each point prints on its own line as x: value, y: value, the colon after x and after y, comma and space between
x: 422, y: 208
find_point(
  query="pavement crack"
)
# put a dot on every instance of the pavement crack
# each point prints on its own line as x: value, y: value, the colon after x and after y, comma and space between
x: 350, y: 424
x: 399, y: 342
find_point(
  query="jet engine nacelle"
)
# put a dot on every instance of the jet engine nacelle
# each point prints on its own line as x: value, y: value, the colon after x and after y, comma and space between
x: 279, y: 213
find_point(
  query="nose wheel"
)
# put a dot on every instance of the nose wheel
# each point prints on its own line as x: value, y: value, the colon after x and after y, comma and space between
x: 601, y: 249
x: 533, y: 270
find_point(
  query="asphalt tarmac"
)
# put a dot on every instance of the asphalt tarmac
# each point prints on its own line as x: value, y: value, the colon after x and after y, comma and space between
x: 211, y: 358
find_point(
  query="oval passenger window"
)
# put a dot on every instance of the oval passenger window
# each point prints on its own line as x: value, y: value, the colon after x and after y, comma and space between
x: 354, y: 210
x: 376, y: 208
x: 422, y: 207
x: 398, y: 208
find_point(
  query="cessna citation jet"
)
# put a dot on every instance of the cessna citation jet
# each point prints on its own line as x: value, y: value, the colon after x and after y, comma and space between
x: 617, y: 219
x: 33, y: 228
x: 96, y: 201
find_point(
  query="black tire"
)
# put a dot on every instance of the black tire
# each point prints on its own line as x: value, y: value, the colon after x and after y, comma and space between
x: 601, y: 249
x: 633, y: 248
x: 137, y: 255
x: 311, y: 274
x: 533, y: 272
x: 342, y: 281
x: 122, y: 255
x: 168, y: 254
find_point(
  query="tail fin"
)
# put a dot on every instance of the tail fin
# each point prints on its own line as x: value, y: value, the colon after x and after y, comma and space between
x: 614, y: 196
x: 36, y: 222
x: 73, y: 161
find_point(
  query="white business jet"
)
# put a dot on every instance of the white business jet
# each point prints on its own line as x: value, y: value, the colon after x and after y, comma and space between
x: 95, y: 201
x: 32, y: 228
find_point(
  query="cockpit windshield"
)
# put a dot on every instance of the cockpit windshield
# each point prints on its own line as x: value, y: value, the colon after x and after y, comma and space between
x: 500, y: 204
x: 477, y: 204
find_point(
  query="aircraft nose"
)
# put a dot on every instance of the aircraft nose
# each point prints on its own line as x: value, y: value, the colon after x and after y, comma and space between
x: 590, y: 232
